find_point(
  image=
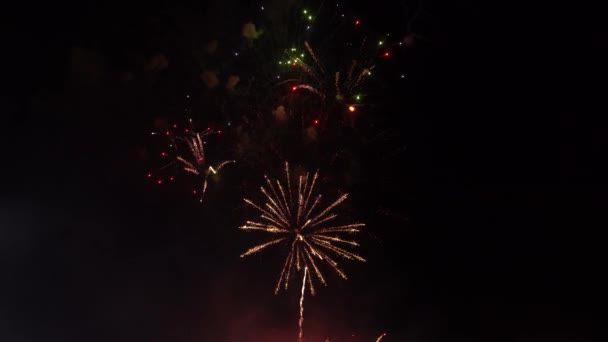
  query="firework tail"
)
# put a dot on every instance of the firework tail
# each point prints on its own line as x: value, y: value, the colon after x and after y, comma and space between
x: 301, y: 321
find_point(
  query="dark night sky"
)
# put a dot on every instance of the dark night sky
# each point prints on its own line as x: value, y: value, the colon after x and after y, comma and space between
x: 496, y: 200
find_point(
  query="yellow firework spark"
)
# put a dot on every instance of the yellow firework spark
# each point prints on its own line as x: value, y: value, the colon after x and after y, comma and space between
x: 292, y: 213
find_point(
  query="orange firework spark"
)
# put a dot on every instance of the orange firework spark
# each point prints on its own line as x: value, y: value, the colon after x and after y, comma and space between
x: 293, y: 214
x: 314, y: 56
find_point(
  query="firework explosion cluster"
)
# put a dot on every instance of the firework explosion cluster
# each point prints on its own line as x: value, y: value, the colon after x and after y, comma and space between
x: 295, y: 106
x: 299, y: 221
x: 186, y: 151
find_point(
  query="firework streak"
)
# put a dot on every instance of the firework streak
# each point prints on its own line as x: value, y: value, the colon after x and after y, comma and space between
x: 301, y: 321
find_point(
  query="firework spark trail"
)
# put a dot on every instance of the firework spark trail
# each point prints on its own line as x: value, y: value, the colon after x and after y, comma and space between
x: 274, y: 192
x: 298, y: 257
x: 337, y: 84
x: 363, y: 73
x: 349, y: 228
x: 293, y: 247
x: 211, y: 170
x: 312, y: 185
x: 296, y: 219
x: 287, y: 263
x: 314, y: 266
x: 311, y: 89
x: 288, y: 182
x: 328, y: 209
x: 220, y: 166
x: 301, y: 320
x: 341, y: 252
x: 335, y: 239
x: 314, y: 56
x: 350, y: 71
x: 380, y: 337
x: 262, y: 246
x: 308, y: 70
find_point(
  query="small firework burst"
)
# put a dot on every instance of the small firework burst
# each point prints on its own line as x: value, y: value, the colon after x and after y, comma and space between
x: 293, y: 214
x: 341, y: 87
x: 185, y: 153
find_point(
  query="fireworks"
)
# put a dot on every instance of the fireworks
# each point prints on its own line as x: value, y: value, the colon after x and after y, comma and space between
x: 187, y: 154
x: 294, y: 216
x: 195, y: 162
x: 315, y: 78
x: 317, y: 81
x: 320, y: 94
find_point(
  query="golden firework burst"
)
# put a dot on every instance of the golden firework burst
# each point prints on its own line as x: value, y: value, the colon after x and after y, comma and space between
x: 293, y: 215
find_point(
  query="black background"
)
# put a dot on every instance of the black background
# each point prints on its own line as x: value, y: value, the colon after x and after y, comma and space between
x: 495, y: 227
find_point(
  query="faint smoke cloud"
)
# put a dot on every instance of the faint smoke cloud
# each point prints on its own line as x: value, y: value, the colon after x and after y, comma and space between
x: 157, y: 63
x: 210, y: 78
x: 250, y: 32
x: 280, y: 114
x: 233, y: 80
